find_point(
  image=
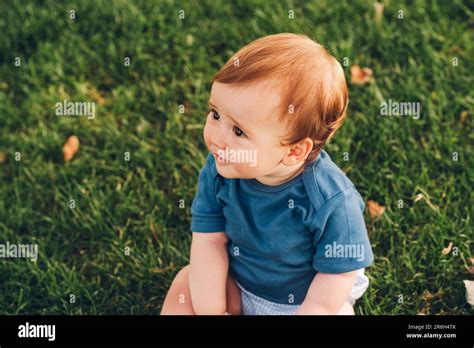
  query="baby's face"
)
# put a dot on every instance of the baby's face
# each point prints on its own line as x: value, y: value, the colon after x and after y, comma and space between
x: 243, y: 132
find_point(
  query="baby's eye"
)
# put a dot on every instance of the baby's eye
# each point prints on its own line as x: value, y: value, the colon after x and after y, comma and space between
x: 239, y: 132
x: 215, y: 115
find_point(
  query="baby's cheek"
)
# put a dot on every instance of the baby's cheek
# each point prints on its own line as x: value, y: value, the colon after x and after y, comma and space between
x: 205, y: 135
x: 245, y: 170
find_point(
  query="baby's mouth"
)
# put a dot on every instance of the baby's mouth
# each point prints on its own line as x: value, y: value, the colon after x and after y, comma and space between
x: 220, y: 158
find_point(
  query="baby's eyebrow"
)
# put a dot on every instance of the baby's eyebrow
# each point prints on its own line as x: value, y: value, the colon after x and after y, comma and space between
x: 237, y: 123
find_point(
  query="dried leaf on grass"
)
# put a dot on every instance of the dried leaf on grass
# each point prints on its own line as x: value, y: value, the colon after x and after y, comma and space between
x: 378, y: 12
x: 375, y: 209
x: 360, y: 76
x: 70, y: 148
x: 447, y: 250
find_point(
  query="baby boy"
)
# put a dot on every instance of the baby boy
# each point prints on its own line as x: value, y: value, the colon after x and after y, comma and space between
x: 277, y: 227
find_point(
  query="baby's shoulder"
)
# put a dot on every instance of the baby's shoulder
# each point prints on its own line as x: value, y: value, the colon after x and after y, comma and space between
x: 324, y: 180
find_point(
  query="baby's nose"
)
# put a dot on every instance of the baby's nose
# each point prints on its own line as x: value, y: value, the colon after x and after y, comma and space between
x: 218, y: 139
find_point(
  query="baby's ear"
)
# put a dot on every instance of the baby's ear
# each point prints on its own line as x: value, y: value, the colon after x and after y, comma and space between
x: 300, y: 151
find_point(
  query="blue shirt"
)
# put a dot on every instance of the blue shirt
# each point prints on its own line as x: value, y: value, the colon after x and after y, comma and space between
x: 281, y: 236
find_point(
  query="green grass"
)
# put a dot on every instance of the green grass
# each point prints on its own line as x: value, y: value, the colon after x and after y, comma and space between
x: 136, y: 204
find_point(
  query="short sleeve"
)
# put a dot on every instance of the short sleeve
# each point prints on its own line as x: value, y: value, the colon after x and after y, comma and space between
x: 206, y: 212
x: 342, y: 244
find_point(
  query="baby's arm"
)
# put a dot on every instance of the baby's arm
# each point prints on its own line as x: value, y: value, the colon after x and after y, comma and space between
x: 208, y: 270
x: 327, y: 293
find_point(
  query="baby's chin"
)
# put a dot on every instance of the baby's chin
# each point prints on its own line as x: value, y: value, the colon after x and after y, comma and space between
x: 232, y: 171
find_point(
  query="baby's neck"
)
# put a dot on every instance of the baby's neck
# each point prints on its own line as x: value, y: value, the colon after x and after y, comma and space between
x: 282, y: 177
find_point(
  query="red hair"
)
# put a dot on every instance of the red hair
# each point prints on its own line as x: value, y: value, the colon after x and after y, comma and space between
x: 313, y: 93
